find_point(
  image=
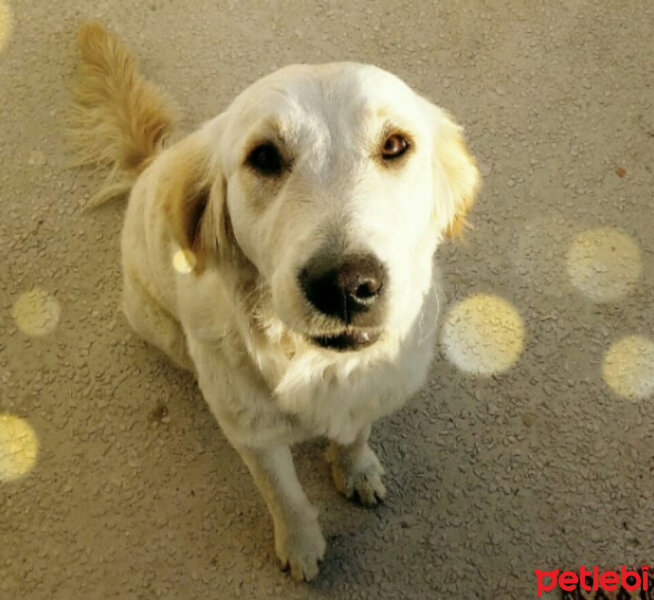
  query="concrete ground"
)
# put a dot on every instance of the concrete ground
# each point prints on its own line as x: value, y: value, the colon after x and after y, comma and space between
x: 531, y: 446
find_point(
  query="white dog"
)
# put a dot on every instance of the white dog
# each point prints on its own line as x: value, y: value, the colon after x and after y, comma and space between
x: 283, y: 252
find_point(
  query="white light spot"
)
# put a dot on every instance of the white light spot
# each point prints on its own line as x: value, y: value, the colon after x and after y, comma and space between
x: 628, y: 367
x: 5, y: 24
x: 36, y: 312
x: 184, y: 261
x: 483, y: 334
x: 604, y: 264
x: 18, y: 447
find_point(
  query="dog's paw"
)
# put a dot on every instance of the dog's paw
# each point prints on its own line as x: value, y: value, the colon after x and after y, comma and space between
x: 360, y: 476
x: 299, y: 548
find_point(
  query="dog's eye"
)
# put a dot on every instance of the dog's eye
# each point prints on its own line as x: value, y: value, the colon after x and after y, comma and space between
x: 394, y: 147
x: 266, y: 159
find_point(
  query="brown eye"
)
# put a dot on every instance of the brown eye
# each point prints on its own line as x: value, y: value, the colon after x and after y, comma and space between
x: 394, y: 147
x: 266, y: 159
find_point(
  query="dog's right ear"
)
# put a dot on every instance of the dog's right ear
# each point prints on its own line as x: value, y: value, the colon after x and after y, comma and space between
x: 455, y: 172
x: 192, y: 198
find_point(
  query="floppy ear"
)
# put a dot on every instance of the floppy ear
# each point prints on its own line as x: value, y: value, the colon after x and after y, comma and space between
x: 192, y: 192
x: 456, y: 176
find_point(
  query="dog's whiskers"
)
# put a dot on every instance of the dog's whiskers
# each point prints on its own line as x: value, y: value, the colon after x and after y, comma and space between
x: 429, y: 330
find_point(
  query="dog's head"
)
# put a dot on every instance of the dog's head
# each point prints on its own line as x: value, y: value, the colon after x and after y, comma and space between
x: 335, y: 183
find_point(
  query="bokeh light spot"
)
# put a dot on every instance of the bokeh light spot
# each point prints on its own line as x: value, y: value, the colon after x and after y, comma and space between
x: 483, y: 334
x: 36, y: 312
x: 184, y: 261
x: 628, y: 367
x: 18, y: 447
x: 604, y: 264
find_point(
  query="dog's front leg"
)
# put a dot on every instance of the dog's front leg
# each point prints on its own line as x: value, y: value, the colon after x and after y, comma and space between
x: 299, y: 543
x: 356, y: 470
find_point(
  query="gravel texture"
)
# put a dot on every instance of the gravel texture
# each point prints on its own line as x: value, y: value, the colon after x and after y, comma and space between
x: 135, y: 494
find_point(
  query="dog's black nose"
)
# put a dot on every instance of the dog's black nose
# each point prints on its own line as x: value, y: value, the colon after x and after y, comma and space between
x: 351, y: 287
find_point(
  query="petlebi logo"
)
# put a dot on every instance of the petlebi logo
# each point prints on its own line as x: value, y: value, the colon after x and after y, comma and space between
x: 593, y: 580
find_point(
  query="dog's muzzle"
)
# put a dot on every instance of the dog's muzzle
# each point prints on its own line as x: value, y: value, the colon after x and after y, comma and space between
x: 351, y: 292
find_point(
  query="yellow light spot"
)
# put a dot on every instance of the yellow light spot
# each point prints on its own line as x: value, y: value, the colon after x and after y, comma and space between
x: 483, y: 334
x: 18, y: 447
x: 5, y: 24
x: 184, y: 261
x: 36, y: 312
x: 604, y: 264
x: 628, y: 367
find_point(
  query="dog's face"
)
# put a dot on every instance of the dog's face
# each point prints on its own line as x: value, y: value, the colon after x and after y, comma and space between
x: 338, y: 184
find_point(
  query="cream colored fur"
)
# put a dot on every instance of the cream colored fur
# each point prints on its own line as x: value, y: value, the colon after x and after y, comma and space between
x: 238, y: 320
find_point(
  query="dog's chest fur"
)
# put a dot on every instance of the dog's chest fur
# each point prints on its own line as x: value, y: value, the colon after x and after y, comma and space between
x: 260, y: 390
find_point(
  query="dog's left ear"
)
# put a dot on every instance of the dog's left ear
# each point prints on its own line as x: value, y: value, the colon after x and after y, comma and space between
x: 192, y: 195
x: 456, y: 177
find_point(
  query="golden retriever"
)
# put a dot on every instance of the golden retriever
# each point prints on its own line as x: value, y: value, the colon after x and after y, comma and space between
x: 284, y: 253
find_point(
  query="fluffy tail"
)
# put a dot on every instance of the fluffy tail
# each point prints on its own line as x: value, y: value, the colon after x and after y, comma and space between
x: 120, y: 119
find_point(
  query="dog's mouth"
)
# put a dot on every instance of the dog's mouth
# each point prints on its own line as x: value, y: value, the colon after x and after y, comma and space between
x: 350, y: 339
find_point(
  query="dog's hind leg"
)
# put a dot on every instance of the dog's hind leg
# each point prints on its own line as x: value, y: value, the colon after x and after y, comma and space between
x: 356, y: 470
x: 154, y: 324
